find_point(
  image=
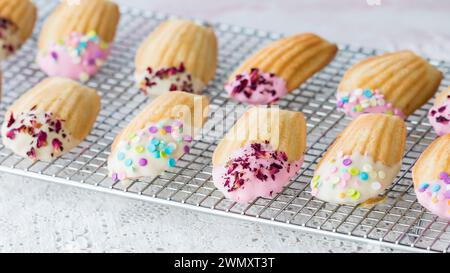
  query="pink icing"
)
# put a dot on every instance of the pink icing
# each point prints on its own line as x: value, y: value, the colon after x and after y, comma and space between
x: 362, y: 101
x: 440, y: 118
x: 257, y: 88
x: 435, y: 196
x: 253, y: 171
x: 77, y: 57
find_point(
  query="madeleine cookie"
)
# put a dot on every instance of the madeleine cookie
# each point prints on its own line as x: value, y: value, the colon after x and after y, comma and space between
x: 362, y: 162
x: 76, y: 40
x: 439, y: 114
x: 279, y: 68
x: 158, y: 136
x: 431, y: 177
x: 17, y: 20
x: 260, y: 154
x: 178, y: 55
x: 393, y: 83
x: 50, y: 119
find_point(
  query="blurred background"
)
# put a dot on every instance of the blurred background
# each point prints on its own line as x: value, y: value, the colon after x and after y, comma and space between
x: 419, y: 25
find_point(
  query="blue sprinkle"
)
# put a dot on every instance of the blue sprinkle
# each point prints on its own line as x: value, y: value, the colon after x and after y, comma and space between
x: 120, y: 156
x: 156, y: 154
x: 151, y: 148
x: 368, y: 93
x: 172, y: 162
x: 162, y: 145
x: 128, y: 162
x: 435, y: 188
x: 155, y: 141
x: 424, y: 186
x: 168, y: 150
x: 344, y: 99
x: 364, y: 176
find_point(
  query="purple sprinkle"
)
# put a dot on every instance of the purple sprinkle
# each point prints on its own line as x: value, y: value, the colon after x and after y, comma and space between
x: 91, y: 62
x: 99, y: 54
x: 168, y: 129
x: 447, y: 194
x: 143, y: 162
x: 54, y: 55
x: 186, y: 149
x: 443, y: 175
x: 115, y: 177
x: 153, y: 129
x: 340, y: 104
x: 447, y: 180
x: 187, y: 138
x: 347, y: 162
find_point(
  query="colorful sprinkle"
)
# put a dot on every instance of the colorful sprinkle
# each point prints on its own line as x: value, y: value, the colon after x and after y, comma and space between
x: 120, y: 156
x: 143, y: 162
x: 367, y: 101
x: 172, y: 162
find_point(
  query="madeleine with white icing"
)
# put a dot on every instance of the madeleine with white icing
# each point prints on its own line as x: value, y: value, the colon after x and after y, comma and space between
x: 50, y: 119
x: 279, y: 68
x: 431, y: 177
x: 158, y: 136
x: 76, y: 39
x: 362, y: 162
x: 395, y: 83
x: 17, y: 20
x: 179, y: 55
x: 260, y: 154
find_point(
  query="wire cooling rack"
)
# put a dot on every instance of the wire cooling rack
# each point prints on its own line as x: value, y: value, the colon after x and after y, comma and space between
x: 399, y: 221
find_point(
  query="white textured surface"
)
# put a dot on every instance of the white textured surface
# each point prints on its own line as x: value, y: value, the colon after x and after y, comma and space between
x: 41, y: 217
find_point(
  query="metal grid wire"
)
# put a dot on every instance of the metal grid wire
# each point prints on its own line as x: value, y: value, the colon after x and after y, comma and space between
x: 399, y: 221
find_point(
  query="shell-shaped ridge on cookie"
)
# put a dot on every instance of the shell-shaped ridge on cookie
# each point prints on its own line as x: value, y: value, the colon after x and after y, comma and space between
x: 50, y: 119
x: 362, y: 162
x: 177, y: 55
x: 395, y: 83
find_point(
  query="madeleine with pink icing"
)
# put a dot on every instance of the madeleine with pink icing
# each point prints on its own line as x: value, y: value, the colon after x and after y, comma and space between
x: 279, y: 68
x: 76, y: 39
x: 393, y: 83
x: 260, y: 154
x: 439, y: 114
x: 431, y: 177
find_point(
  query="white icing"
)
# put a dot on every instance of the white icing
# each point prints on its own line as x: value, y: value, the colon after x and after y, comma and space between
x: 23, y: 141
x: 128, y: 149
x: 331, y: 187
x: 163, y: 85
x: 9, y: 38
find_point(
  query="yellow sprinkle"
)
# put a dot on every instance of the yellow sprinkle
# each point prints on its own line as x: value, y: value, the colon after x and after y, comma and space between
x: 354, y: 171
x: 356, y: 196
x: 342, y: 195
x: 162, y: 132
x: 104, y: 45
x: 131, y: 136
x: 92, y: 33
x: 358, y: 108
x: 163, y: 154
x: 389, y: 112
x: 140, y: 149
